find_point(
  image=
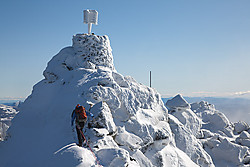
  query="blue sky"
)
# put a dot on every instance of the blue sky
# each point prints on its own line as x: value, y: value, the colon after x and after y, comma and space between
x: 194, y: 47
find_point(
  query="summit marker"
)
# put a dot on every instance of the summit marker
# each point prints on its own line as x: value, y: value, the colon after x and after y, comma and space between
x: 90, y: 17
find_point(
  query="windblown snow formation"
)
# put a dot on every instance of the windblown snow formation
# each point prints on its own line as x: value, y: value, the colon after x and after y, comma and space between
x: 131, y: 125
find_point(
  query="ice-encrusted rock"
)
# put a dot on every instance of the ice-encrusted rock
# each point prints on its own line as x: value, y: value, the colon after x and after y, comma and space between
x: 243, y: 142
x: 103, y: 117
x: 188, y: 143
x: 178, y: 102
x: 221, y: 149
x: 244, y: 135
x: 165, y: 155
x: 244, y: 139
x: 206, y: 133
x: 180, y: 108
x: 100, y: 132
x: 93, y: 48
x: 128, y: 139
x: 246, y: 160
x: 105, y: 142
x: 189, y: 119
x: 240, y: 126
x: 113, y: 157
x: 141, y: 159
x: 213, y: 120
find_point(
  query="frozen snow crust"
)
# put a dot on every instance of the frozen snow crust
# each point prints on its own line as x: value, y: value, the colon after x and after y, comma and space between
x: 129, y: 128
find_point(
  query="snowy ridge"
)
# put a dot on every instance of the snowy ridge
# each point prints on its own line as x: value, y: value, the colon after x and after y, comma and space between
x: 131, y: 125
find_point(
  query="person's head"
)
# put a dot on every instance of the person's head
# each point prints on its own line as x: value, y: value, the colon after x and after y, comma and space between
x: 78, y: 105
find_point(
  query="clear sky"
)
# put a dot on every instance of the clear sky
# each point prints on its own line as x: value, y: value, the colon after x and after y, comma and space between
x: 194, y: 47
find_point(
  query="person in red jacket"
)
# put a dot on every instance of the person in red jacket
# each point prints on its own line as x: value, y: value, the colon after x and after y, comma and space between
x: 79, y: 114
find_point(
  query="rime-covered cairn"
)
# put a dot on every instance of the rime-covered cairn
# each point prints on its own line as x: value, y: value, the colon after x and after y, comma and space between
x: 131, y: 125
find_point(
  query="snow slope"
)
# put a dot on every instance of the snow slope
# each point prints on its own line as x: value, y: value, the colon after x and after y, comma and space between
x: 130, y: 125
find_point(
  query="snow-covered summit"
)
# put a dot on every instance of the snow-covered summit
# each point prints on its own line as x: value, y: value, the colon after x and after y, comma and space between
x: 130, y: 125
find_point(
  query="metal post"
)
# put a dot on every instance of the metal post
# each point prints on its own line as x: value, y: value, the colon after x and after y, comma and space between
x: 150, y: 79
x: 89, y: 28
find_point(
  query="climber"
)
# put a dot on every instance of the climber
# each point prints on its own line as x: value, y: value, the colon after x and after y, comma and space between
x: 79, y: 114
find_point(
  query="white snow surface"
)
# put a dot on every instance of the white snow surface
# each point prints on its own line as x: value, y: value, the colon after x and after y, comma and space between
x: 129, y: 128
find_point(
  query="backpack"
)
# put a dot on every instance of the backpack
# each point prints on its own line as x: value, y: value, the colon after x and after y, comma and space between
x: 81, y: 113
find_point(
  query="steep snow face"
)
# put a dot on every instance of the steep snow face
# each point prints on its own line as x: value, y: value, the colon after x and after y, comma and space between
x: 129, y: 128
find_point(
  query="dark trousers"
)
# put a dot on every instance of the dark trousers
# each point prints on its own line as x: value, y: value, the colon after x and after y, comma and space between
x: 79, y: 127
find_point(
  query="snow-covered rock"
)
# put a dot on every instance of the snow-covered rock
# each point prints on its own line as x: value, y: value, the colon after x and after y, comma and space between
x: 244, y: 135
x: 225, y: 152
x: 103, y: 117
x: 113, y: 157
x: 244, y: 139
x: 180, y: 108
x: 188, y: 143
x: 240, y: 126
x: 128, y: 139
x: 213, y: 120
x: 178, y: 102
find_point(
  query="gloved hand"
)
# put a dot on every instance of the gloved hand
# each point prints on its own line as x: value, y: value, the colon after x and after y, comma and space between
x: 91, y: 115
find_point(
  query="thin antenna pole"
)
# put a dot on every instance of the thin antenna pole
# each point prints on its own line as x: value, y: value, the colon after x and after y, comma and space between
x: 150, y: 79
